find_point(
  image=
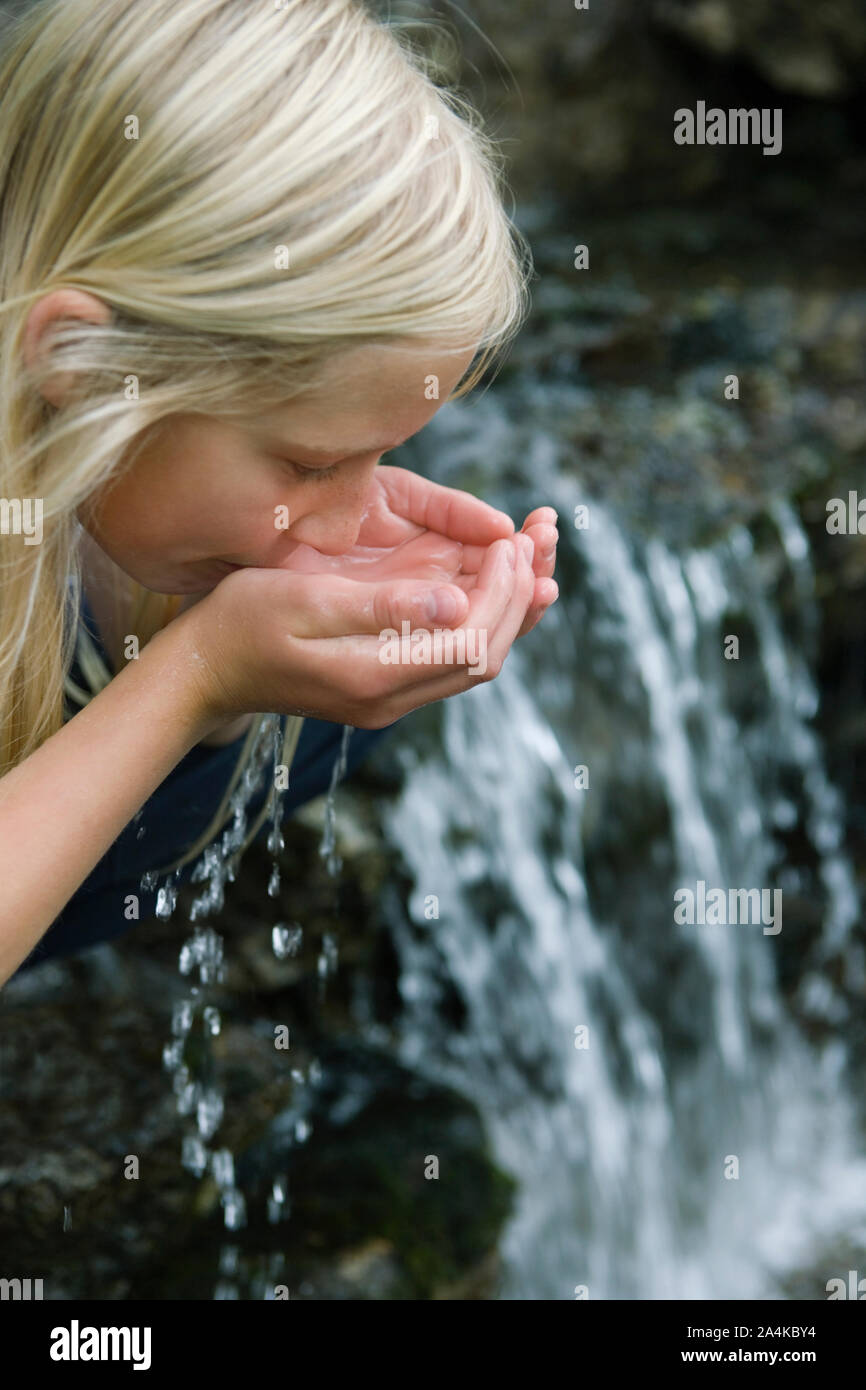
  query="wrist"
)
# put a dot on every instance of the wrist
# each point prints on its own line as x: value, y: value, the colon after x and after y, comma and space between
x: 177, y: 654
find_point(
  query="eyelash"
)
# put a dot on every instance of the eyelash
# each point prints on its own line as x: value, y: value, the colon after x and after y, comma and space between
x: 319, y: 473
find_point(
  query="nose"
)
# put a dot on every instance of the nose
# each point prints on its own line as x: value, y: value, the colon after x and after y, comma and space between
x: 332, y: 526
x: 326, y: 534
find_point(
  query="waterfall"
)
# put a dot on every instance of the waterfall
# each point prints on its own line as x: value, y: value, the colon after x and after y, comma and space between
x: 649, y: 1084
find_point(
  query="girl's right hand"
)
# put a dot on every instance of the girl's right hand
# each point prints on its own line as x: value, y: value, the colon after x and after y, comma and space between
x: 276, y: 641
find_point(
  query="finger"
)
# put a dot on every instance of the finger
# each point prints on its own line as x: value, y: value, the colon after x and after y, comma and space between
x: 388, y: 684
x: 327, y: 606
x: 395, y: 682
x: 500, y: 640
x: 448, y: 510
x: 495, y: 627
x: 491, y: 599
x: 494, y: 586
x: 473, y: 558
x: 546, y: 593
x: 542, y: 533
x: 401, y: 691
x: 541, y: 514
x: 500, y: 603
x: 544, y: 538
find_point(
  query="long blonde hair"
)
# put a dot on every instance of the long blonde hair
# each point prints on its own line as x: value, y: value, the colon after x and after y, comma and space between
x: 252, y: 187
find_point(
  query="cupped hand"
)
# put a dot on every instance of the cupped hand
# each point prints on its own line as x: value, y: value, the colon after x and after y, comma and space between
x: 312, y: 644
x: 413, y: 528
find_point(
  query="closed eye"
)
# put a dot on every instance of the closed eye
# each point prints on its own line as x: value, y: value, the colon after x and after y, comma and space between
x: 321, y: 473
x: 302, y: 472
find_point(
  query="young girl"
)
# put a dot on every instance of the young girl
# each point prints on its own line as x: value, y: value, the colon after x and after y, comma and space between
x: 246, y: 248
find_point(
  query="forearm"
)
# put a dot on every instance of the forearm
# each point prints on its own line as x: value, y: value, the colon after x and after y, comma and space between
x: 64, y: 806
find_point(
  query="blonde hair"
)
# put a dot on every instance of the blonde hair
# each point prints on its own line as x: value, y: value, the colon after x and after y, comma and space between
x: 161, y: 156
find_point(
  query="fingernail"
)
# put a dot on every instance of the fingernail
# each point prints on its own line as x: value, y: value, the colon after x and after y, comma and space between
x: 527, y: 547
x: 512, y: 555
x: 442, y: 606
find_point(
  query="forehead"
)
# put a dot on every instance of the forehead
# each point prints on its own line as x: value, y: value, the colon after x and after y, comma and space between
x: 371, y: 396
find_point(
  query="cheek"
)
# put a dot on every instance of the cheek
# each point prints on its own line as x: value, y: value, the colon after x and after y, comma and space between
x: 248, y: 512
x: 135, y: 520
x: 115, y: 515
x: 277, y: 503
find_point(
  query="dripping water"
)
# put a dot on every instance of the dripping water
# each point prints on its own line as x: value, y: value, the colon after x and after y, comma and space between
x: 200, y: 1095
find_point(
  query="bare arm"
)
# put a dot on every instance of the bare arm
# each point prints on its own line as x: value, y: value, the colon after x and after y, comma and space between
x: 63, y: 807
x: 226, y: 731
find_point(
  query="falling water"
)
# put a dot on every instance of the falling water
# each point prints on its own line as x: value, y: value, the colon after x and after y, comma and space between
x: 328, y: 959
x: 201, y: 1094
x: 328, y: 848
x: 196, y: 1084
x: 622, y: 1062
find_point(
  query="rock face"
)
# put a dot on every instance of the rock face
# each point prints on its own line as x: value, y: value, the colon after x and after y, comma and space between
x: 585, y: 97
x: 810, y: 50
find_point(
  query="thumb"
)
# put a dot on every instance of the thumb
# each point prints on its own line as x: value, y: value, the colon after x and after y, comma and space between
x: 340, y: 607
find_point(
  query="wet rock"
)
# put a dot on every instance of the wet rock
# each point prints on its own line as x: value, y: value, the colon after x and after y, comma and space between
x: 814, y: 50
x: 585, y: 98
x: 359, y: 1186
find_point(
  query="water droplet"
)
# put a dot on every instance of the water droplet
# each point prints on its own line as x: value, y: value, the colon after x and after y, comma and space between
x: 327, y: 962
x: 223, y: 1168
x: 328, y: 847
x: 181, y: 1019
x: 287, y: 940
x: 212, y: 1020
x: 193, y: 1155
x: 187, y: 1099
x: 209, y: 1112
x: 235, y: 1209
x: 180, y: 1080
x: 166, y: 899
x: 276, y: 842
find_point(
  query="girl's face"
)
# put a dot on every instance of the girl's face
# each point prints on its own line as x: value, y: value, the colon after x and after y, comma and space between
x: 203, y: 497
